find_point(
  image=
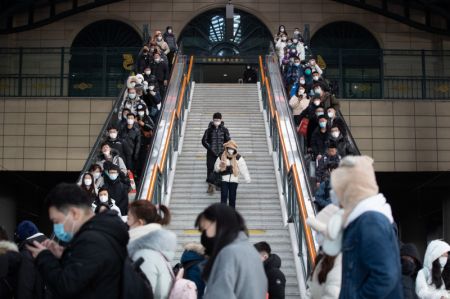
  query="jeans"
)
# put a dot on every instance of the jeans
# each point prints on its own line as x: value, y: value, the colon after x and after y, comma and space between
x: 229, y: 190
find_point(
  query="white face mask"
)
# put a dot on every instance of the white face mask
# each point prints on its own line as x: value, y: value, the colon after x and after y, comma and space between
x: 157, y: 60
x: 141, y: 113
x: 133, y: 84
x: 318, y: 90
x: 130, y: 121
x: 281, y: 29
x: 107, y: 153
x: 315, y: 78
x: 297, y: 64
x: 169, y: 31
x: 301, y: 91
x: 148, y: 72
x: 113, y: 135
x: 103, y: 198
x: 302, y: 82
x: 96, y: 175
x: 217, y: 123
x: 335, y: 134
x: 296, y: 32
x: 295, y: 41
x: 132, y: 96
x: 443, y: 261
x: 87, y: 182
x: 230, y: 151
x: 330, y: 114
x: 151, y: 87
x: 113, y: 176
x: 317, y: 103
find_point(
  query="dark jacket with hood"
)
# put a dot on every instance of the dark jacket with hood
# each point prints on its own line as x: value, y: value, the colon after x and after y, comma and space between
x: 193, y: 261
x: 343, y: 146
x: 171, y: 40
x: 408, y: 274
x: 89, y: 267
x: 10, y: 261
x: 214, y: 138
x: 118, y: 190
x: 275, y: 278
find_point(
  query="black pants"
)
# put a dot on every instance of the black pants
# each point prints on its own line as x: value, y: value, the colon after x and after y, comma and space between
x: 229, y: 191
x: 210, y: 161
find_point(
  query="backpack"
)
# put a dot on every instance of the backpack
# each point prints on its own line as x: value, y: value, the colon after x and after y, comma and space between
x: 134, y: 284
x: 181, y: 288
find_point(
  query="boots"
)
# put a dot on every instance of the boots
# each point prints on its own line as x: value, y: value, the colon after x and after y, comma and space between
x: 210, y: 189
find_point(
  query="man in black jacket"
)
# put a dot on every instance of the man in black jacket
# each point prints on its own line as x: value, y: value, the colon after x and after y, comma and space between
x: 88, y: 267
x: 272, y: 264
x: 213, y: 139
x: 161, y: 71
x: 131, y: 137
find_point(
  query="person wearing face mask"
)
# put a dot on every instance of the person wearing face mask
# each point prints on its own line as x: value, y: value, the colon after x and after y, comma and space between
x: 429, y: 281
x: 213, y: 139
x: 131, y: 137
x: 250, y: 75
x: 147, y: 128
x: 297, y: 34
x: 281, y: 32
x: 193, y: 261
x: 147, y: 73
x: 87, y: 184
x: 104, y: 198
x: 370, y: 252
x: 161, y: 72
x: 122, y: 118
x: 327, y: 99
x: 150, y: 241
x: 298, y: 104
x: 110, y: 155
x: 325, y: 166
x: 334, y: 119
x: 132, y: 81
x: 272, y: 264
x: 343, y: 145
x: 152, y: 99
x: 411, y: 264
x: 307, y: 73
x: 294, y: 73
x: 230, y: 166
x: 280, y: 46
x: 96, y: 171
x: 325, y: 280
x: 171, y: 40
x: 133, y: 100
x: 312, y: 112
x: 144, y: 59
x: 115, y: 142
x: 234, y: 268
x: 90, y: 266
x: 299, y: 48
x: 117, y: 188
x: 159, y: 40
x: 320, y: 138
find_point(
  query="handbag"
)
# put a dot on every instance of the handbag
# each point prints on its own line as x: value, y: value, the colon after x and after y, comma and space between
x: 302, y: 128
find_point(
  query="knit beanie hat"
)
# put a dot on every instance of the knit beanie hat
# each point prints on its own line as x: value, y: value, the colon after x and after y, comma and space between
x: 26, y: 229
x: 353, y: 181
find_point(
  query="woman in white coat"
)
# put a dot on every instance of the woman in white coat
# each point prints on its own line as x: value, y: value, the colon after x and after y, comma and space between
x: 429, y: 282
x: 153, y: 243
x: 231, y: 165
x: 325, y: 280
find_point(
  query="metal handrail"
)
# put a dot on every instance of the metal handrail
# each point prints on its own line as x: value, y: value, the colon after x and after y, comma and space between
x: 160, y: 162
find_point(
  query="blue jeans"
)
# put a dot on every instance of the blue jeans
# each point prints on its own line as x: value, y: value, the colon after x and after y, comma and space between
x: 228, y: 190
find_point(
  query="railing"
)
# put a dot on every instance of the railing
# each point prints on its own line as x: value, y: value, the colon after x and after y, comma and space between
x: 295, y: 188
x: 166, y: 141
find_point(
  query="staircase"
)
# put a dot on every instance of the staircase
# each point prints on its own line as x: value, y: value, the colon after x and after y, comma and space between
x: 258, y: 202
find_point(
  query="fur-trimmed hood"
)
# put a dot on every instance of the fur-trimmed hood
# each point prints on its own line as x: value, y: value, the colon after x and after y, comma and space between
x: 195, y: 247
x: 6, y: 246
x: 154, y: 237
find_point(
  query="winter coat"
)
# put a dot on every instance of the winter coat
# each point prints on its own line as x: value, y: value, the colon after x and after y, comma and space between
x: 144, y: 61
x: 132, y: 105
x: 324, y: 165
x: 328, y: 100
x: 132, y: 141
x: 409, y: 279
x: 171, y: 41
x: 275, y: 278
x: 119, y: 191
x: 163, y: 46
x: 294, y: 73
x: 339, y: 122
x: 298, y: 105
x: 228, y: 176
x: 111, y: 204
x: 319, y: 142
x: 117, y: 144
x: 115, y: 159
x: 331, y: 288
x: 279, y: 46
x: 91, y: 264
x: 193, y: 257
x: 344, y: 148
x: 370, y: 254
x: 237, y: 272
x: 157, y: 247
x: 425, y: 289
x: 10, y: 262
x: 214, y: 138
x: 160, y: 70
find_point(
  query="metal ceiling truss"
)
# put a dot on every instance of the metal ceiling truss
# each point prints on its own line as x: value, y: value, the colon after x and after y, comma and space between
x: 9, y: 15
x: 427, y: 15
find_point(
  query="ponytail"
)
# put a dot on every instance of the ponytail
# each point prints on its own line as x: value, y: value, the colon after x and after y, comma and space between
x: 149, y: 213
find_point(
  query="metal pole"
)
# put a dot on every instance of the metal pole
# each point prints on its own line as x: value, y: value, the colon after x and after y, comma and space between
x: 20, y: 71
x: 424, y: 84
x: 61, y: 76
x: 381, y: 55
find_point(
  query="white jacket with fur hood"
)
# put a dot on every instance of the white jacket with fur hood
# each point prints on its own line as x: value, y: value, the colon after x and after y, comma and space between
x: 155, y: 245
x: 331, y: 288
x: 231, y: 178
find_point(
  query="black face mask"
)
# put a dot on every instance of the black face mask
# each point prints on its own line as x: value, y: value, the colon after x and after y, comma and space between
x: 208, y: 243
x: 408, y: 267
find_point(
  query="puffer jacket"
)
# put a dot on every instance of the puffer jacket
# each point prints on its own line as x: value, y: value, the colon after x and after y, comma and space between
x: 298, y: 105
x: 193, y: 261
x: 214, y: 138
x: 425, y: 289
x: 331, y: 288
x: 157, y: 247
x: 171, y: 41
x: 230, y: 177
x: 275, y: 278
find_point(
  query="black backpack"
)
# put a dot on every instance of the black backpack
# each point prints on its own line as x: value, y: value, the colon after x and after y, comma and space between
x: 134, y: 283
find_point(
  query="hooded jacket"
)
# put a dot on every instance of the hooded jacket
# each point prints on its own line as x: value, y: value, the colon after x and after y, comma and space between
x: 157, y: 247
x: 90, y: 266
x: 237, y: 273
x: 115, y: 159
x: 214, y: 138
x: 118, y: 191
x: 10, y: 261
x: 194, y: 258
x: 331, y: 288
x: 230, y: 177
x: 409, y: 279
x: 425, y: 289
x: 275, y: 278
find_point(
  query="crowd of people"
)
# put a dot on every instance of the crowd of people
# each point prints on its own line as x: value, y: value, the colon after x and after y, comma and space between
x: 119, y: 164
